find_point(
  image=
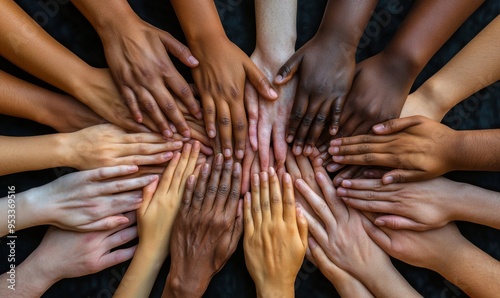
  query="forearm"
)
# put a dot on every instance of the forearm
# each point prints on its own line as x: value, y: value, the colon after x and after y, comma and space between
x: 199, y: 20
x: 26, y: 44
x: 477, y: 205
x: 276, y: 27
x: 475, y: 67
x: 281, y: 291
x: 348, y: 286
x: 24, y: 100
x: 472, y: 270
x: 181, y: 283
x: 426, y: 28
x: 378, y: 286
x: 142, y: 272
x: 474, y: 150
x: 17, y: 212
x: 29, y: 280
x: 20, y: 154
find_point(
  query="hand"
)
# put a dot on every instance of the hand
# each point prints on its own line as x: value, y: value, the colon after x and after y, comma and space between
x: 220, y: 79
x: 378, y: 93
x: 87, y: 201
x: 108, y: 145
x: 156, y: 215
x: 137, y: 54
x: 275, y: 239
x: 340, y: 233
x: 419, y: 147
x: 428, y: 249
x: 268, y: 119
x: 323, y: 86
x: 101, y: 95
x: 66, y: 114
x: 68, y: 254
x: 416, y: 206
x: 207, y: 229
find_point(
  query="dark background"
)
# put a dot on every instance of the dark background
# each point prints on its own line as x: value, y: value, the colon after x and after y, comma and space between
x: 69, y: 27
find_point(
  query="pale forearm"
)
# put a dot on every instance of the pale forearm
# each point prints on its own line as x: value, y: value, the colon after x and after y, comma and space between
x: 276, y: 26
x: 477, y: 205
x: 20, y: 154
x: 378, y: 286
x: 26, y: 44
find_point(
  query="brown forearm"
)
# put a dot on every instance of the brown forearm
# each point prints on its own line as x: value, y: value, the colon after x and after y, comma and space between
x: 476, y: 150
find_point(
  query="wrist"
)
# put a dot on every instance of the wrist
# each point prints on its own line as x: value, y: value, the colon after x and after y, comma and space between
x: 378, y: 286
x: 278, y: 290
x: 63, y: 146
x: 176, y: 286
x: 26, y: 203
x: 407, y: 64
x: 36, y: 275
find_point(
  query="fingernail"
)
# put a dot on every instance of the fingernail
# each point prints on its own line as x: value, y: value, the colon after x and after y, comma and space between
x: 168, y: 155
x: 278, y: 78
x: 264, y: 176
x: 333, y: 150
x: 211, y: 134
x: 287, y: 178
x: 388, y: 180
x: 272, y: 172
x: 219, y: 158
x: 167, y: 133
x: 177, y: 144
x: 319, y: 161
x: 237, y: 167
x: 273, y: 93
x: 332, y: 167
x: 369, y: 174
x: 199, y: 115
x: 346, y: 183
x: 206, y: 168
x: 185, y: 139
x: 308, y: 150
x: 379, y: 222
x: 132, y: 168
x: 320, y: 176
x: 341, y: 191
x: 297, y: 150
x: 172, y: 128
x: 193, y: 60
x: 122, y: 220
x: 338, y: 158
x: 378, y: 127
x: 336, y: 142
x: 289, y: 139
x: 240, y: 154
x: 255, y: 179
x: 333, y: 131
x: 227, y: 153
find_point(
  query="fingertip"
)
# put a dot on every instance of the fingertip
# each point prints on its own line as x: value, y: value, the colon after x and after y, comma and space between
x: 193, y: 61
x: 378, y: 128
x: 387, y: 180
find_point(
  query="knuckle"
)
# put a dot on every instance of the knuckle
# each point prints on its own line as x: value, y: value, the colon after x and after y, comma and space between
x: 297, y: 114
x: 223, y: 190
x: 212, y: 189
x: 185, y: 91
x: 307, y: 121
x: 265, y: 205
x: 275, y: 199
x: 234, y: 93
x: 198, y: 195
x: 239, y: 126
x: 169, y: 106
x: 150, y: 106
x: 368, y: 158
x: 224, y: 121
x: 256, y: 209
x: 364, y: 148
x: 320, y: 119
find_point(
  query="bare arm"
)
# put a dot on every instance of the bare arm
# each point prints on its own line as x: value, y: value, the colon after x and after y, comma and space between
x: 475, y: 67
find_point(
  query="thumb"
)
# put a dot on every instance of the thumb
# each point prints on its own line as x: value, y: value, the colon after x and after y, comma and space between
x: 395, y: 125
x: 252, y: 107
x: 402, y: 176
x: 178, y: 49
x: 286, y: 72
x: 302, y: 225
x: 259, y: 81
x: 396, y: 222
x: 147, y: 195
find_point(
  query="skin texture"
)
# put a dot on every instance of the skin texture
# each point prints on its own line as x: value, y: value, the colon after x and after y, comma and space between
x: 476, y: 66
x: 445, y: 251
x: 275, y: 239
x: 276, y: 36
x: 82, y: 201
x: 27, y: 45
x: 67, y: 254
x: 382, y: 82
x: 207, y: 229
x: 221, y: 74
x: 420, y: 148
x: 422, y: 205
x: 324, y: 83
x: 137, y: 54
x: 155, y: 218
x: 342, y: 238
x: 24, y: 100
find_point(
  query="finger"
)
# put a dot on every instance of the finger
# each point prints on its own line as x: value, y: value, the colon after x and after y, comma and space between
x: 288, y: 199
x: 234, y: 194
x: 307, y: 124
x: 247, y: 214
x: 357, y: 140
x: 370, y: 206
x: 149, y: 124
x: 178, y: 49
x: 181, y: 88
x: 395, y: 222
x: 252, y: 108
x: 223, y: 189
x: 317, y: 127
x: 359, y: 149
x: 188, y: 195
x: 308, y: 173
x: 132, y: 219
x: 121, y: 237
x: 186, y: 166
x: 302, y: 226
x: 150, y: 148
x: 369, y: 184
x: 259, y: 81
x: 247, y: 165
x: 129, y: 96
x: 264, y: 197
x: 106, y: 223
x: 116, y: 257
x: 317, y: 203
x: 239, y: 129
x: 209, y: 114
x: 213, y: 183
x: 238, y: 227
x: 346, y: 173
x: 402, y: 176
x: 225, y: 128
x: 120, y: 186
x: 166, y: 178
x: 376, y: 234
x: 395, y: 125
x: 169, y: 107
x: 264, y: 136
x: 335, y: 204
x: 338, y: 105
x: 348, y: 127
x: 108, y: 172
x: 288, y: 70
x: 275, y: 196
x: 132, y: 138
x: 151, y: 107
x: 292, y: 167
x: 374, y: 173
x: 320, y: 256
x: 256, y: 209
x: 298, y: 111
x: 140, y: 160
x: 280, y: 146
x: 316, y: 229
x: 199, y: 192
x: 369, y: 159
